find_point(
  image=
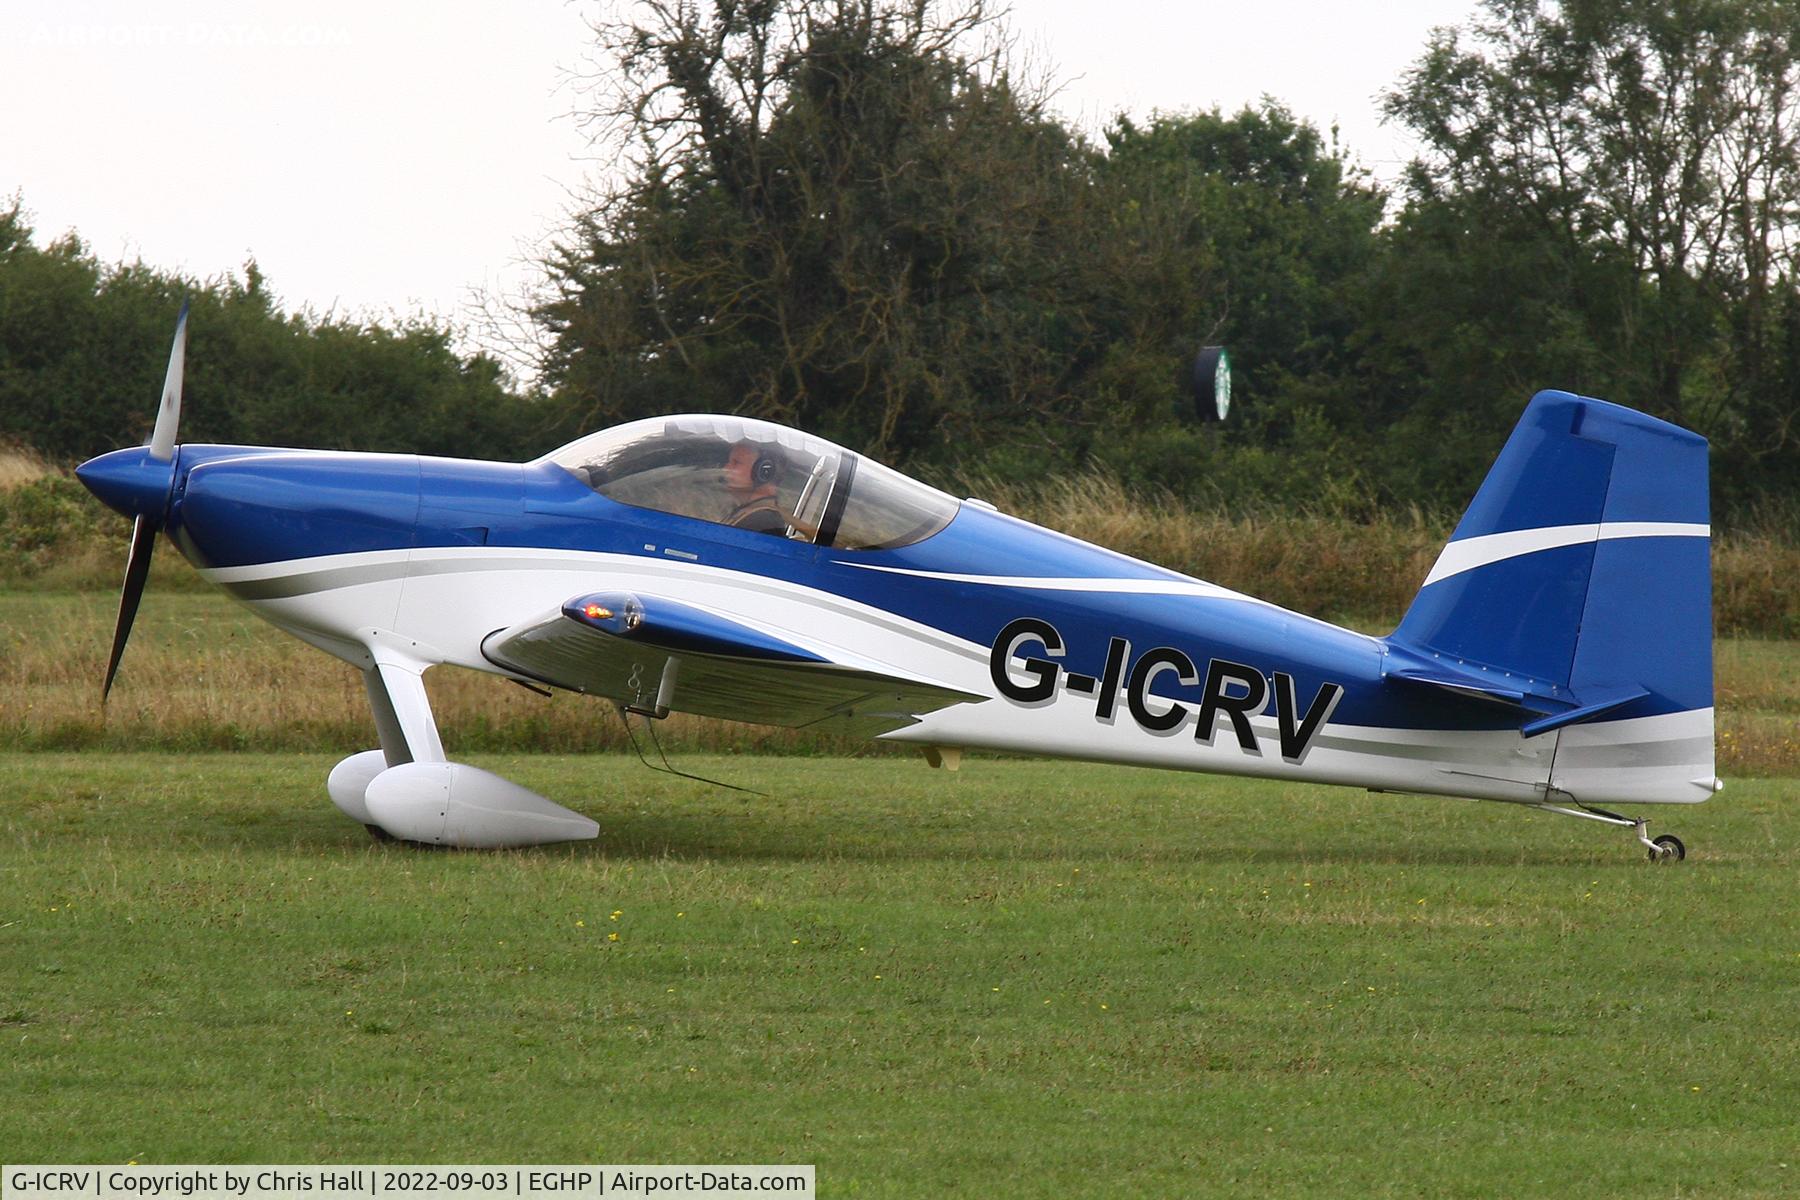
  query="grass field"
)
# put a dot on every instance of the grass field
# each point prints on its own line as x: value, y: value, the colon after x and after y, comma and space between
x: 1021, y: 979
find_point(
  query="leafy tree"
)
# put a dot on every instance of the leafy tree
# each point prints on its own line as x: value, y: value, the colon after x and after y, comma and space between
x: 1252, y: 231
x: 83, y: 347
x: 850, y: 215
x: 1622, y: 178
x: 1268, y: 224
x: 846, y: 214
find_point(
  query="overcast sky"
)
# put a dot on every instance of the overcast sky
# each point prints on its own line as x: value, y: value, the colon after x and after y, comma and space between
x: 382, y: 157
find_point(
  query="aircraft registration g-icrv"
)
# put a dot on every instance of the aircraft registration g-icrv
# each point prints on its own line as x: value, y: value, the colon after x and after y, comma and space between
x: 1557, y: 656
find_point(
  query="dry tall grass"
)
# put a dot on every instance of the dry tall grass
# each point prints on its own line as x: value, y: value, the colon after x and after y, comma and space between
x: 1360, y: 572
x: 1756, y: 583
x: 1363, y: 572
x: 20, y: 465
x: 203, y: 673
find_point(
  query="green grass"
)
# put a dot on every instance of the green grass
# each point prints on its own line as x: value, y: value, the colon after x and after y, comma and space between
x: 1022, y: 979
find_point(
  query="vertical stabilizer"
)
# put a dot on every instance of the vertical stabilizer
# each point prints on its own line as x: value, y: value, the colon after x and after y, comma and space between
x: 1580, y: 580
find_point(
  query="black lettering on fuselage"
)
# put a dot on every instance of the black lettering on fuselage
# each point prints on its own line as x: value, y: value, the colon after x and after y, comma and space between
x: 1016, y: 634
x: 1218, y: 698
x: 1117, y: 652
x: 1235, y: 689
x: 1296, y: 740
x: 1153, y: 663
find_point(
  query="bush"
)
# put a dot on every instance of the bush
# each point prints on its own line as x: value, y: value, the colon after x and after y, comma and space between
x: 48, y: 521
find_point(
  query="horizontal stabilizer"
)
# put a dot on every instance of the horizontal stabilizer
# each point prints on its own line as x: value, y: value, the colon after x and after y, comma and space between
x: 1462, y: 685
x: 1557, y: 707
x: 1480, y: 682
x: 1593, y: 709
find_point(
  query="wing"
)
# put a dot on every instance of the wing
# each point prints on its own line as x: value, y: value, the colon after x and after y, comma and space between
x: 657, y: 655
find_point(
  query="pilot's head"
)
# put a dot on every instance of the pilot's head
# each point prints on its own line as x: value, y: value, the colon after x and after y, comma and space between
x: 751, y: 470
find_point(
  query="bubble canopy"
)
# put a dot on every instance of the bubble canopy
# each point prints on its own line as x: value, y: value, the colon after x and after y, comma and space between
x: 759, y: 476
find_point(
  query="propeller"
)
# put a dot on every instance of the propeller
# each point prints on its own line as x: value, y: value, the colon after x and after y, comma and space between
x: 138, y: 483
x: 137, y: 572
x: 168, y: 413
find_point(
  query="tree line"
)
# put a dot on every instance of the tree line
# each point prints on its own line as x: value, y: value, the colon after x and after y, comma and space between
x: 83, y: 347
x: 859, y: 217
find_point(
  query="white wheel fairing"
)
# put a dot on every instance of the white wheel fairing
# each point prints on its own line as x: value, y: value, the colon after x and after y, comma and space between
x: 454, y: 804
x: 349, y: 782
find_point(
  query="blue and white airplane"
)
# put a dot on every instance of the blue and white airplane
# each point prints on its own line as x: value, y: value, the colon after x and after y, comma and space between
x: 1558, y: 656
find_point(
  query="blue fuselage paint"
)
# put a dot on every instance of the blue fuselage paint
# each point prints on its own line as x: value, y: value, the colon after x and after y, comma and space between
x: 239, y: 506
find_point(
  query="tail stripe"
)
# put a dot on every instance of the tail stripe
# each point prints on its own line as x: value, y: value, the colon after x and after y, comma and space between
x: 1470, y: 553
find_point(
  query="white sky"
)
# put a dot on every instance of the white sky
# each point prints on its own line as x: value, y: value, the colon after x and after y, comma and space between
x: 384, y: 157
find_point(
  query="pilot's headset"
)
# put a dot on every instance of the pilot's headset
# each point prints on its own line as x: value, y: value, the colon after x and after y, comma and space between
x: 767, y: 467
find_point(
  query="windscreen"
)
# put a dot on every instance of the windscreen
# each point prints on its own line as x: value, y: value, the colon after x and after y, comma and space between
x: 757, y: 476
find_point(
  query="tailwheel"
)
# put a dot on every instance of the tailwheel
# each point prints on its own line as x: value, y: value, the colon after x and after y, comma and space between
x: 1664, y: 849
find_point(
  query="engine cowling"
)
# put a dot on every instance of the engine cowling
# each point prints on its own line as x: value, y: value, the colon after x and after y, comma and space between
x: 454, y: 804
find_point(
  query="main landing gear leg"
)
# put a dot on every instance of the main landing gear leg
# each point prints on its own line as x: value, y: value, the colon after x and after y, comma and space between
x: 408, y: 734
x: 408, y: 791
x: 1666, y: 848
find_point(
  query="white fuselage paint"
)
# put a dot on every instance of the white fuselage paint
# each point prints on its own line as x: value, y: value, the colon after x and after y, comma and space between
x: 444, y: 601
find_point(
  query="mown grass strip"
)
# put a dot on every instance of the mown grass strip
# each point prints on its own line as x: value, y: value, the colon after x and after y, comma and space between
x: 1022, y: 979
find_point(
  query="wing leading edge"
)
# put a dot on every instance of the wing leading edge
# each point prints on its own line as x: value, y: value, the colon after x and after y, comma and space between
x: 654, y: 655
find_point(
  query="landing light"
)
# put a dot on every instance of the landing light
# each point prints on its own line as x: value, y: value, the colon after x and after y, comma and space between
x: 597, y: 612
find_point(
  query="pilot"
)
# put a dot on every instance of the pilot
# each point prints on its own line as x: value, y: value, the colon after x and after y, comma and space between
x: 750, y: 475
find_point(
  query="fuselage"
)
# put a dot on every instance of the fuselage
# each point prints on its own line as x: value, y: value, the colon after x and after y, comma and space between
x: 1084, y: 652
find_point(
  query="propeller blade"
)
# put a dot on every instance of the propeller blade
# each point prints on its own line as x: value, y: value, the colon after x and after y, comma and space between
x: 168, y: 415
x: 161, y: 448
x: 137, y: 570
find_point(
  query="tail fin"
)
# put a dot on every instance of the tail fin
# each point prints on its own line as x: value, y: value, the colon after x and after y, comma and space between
x: 1579, y: 586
